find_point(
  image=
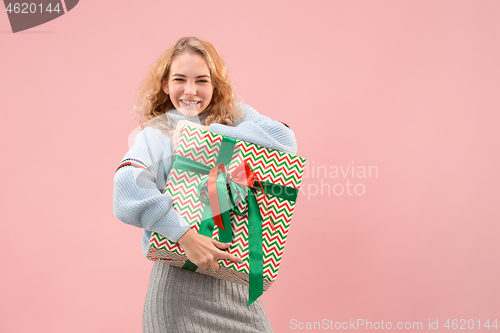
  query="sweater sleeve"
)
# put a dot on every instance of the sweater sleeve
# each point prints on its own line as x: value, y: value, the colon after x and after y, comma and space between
x: 138, y: 184
x: 261, y: 131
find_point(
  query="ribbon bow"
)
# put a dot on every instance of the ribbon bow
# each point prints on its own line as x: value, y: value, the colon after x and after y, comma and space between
x: 221, y: 188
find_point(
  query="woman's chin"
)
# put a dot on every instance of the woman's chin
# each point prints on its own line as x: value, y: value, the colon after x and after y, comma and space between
x: 189, y: 111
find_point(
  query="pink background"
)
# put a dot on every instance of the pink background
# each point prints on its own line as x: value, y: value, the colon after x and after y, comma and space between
x: 409, y: 87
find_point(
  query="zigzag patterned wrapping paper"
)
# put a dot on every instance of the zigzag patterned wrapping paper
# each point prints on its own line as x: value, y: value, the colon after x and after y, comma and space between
x: 269, y: 165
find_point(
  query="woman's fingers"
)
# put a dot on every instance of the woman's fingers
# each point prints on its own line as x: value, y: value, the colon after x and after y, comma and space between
x: 220, y: 245
x: 232, y: 258
x: 175, y: 136
x: 225, y: 255
x: 205, y: 251
x: 215, y: 265
x: 213, y: 260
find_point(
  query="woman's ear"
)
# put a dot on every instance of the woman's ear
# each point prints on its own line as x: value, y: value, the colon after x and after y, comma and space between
x: 164, y: 86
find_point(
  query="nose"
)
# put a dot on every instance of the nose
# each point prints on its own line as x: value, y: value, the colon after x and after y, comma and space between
x: 190, y: 89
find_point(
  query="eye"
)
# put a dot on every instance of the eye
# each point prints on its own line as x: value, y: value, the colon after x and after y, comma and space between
x: 178, y: 79
x: 203, y: 81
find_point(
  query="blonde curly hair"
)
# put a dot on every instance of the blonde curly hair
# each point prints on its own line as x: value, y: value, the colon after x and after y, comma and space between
x: 151, y: 102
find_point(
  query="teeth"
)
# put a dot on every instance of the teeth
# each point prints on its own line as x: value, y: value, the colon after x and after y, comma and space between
x: 189, y: 103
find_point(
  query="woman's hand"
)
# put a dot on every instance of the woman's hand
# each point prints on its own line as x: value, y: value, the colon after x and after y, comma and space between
x: 204, y: 251
x: 176, y: 134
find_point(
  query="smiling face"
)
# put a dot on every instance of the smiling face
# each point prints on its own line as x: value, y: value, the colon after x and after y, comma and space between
x: 189, y: 84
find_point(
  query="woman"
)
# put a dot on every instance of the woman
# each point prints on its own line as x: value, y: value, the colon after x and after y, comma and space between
x: 189, y: 83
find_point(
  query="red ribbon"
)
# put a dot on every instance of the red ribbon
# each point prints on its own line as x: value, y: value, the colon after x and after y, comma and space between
x: 212, y: 194
x: 242, y: 175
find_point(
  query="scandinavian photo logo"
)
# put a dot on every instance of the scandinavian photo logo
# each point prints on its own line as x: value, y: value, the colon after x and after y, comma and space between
x: 26, y: 15
x: 337, y: 180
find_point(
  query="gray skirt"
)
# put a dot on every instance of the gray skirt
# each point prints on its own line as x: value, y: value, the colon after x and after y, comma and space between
x: 179, y: 300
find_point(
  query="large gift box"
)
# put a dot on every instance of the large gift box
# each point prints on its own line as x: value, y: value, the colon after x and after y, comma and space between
x: 235, y: 192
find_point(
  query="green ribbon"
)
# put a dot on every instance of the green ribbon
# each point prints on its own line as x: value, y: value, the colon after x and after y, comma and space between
x: 256, y: 255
